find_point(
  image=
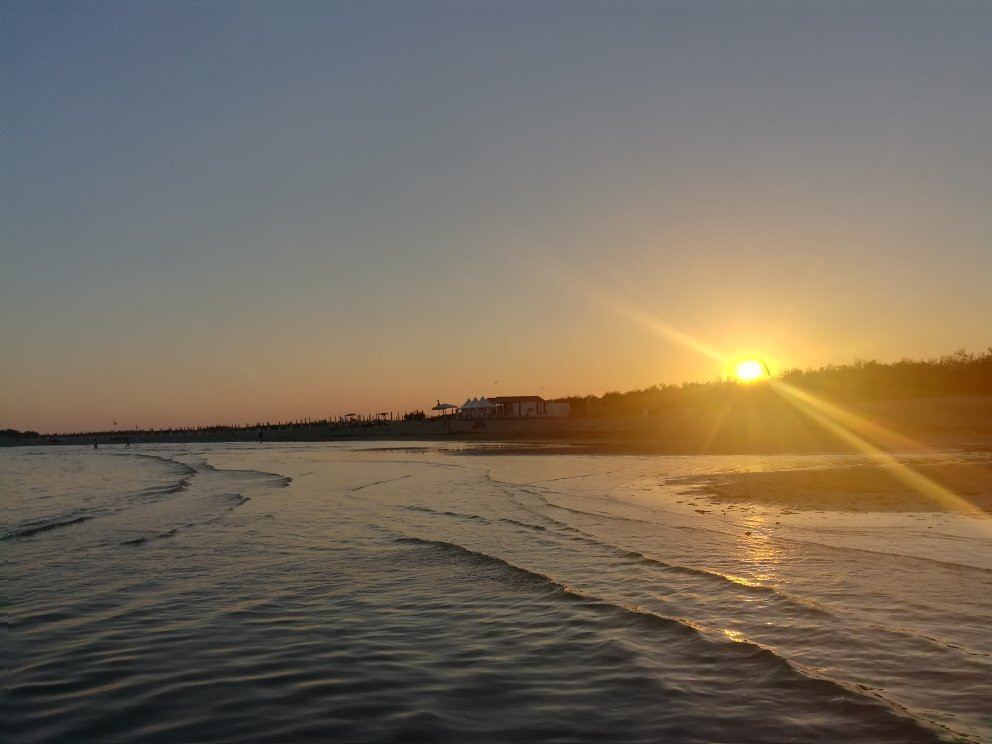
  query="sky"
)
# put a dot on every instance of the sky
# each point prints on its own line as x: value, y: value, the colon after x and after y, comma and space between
x: 229, y: 212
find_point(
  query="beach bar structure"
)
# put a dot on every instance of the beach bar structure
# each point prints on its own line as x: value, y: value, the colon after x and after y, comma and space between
x: 509, y: 406
x: 521, y: 406
x: 444, y: 408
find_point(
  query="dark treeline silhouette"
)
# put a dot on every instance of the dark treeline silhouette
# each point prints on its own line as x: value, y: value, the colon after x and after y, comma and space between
x: 15, y: 434
x: 957, y: 374
x: 306, y: 427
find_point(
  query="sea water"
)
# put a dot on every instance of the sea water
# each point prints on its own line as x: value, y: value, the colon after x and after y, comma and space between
x: 368, y: 592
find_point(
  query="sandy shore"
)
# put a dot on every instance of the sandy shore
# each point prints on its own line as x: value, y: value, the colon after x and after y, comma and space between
x: 860, y: 488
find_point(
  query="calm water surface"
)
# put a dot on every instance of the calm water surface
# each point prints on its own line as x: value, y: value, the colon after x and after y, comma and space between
x: 325, y: 592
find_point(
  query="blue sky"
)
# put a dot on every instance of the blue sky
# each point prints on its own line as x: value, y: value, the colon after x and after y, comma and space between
x: 229, y: 211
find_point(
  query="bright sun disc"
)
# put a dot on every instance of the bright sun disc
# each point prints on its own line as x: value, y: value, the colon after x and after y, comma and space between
x: 750, y: 370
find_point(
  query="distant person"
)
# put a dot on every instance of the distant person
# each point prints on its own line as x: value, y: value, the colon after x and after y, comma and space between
x: 95, y: 445
x: 127, y: 443
x: 260, y: 432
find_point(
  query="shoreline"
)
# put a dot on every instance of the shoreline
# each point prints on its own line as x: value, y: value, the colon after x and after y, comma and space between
x: 905, y: 426
x: 552, y: 444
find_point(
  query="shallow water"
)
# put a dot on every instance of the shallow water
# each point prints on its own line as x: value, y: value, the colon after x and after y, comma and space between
x: 420, y: 593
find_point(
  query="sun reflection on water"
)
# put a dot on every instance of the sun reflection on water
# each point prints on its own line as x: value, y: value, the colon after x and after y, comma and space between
x: 759, y: 551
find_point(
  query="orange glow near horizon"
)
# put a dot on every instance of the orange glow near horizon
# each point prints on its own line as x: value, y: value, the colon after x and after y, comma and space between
x: 747, y: 364
x: 850, y: 428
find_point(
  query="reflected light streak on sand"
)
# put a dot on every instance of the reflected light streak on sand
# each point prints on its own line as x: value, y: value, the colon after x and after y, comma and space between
x: 842, y: 423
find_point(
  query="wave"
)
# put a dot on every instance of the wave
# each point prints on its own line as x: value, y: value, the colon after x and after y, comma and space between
x: 738, y: 583
x: 186, y: 469
x: 277, y: 479
x: 544, y: 578
x: 233, y: 500
x: 35, y: 528
x: 805, y: 605
x: 458, y: 515
x: 463, y: 552
x: 794, y: 540
x: 901, y: 556
x: 575, y: 477
x: 378, y: 483
x: 422, y: 463
x: 236, y: 499
x: 946, y: 645
x: 150, y: 494
x: 143, y: 540
x: 712, y: 646
x: 526, y: 525
x: 797, y: 540
x: 695, y: 528
x: 411, y: 450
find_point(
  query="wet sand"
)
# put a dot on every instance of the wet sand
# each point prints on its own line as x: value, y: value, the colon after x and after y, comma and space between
x: 860, y: 488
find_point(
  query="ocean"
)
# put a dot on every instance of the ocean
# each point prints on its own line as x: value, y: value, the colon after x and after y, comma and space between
x: 417, y: 592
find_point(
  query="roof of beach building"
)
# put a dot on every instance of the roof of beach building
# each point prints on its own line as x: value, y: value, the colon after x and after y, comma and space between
x: 477, y: 403
x: 502, y: 399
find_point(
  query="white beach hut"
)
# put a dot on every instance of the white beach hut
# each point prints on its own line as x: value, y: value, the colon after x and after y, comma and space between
x: 477, y: 407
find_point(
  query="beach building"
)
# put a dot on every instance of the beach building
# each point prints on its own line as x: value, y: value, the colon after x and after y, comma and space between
x: 478, y: 408
x: 510, y: 406
x: 521, y: 406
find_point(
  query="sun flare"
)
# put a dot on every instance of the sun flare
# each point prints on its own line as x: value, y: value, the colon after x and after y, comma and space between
x: 750, y: 370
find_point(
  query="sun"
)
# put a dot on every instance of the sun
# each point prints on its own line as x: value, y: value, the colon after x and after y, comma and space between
x: 750, y: 370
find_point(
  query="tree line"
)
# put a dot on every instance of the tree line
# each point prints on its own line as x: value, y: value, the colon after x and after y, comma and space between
x: 958, y: 374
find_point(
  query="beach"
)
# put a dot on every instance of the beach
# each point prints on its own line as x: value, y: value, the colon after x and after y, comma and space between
x: 446, y: 591
x: 496, y: 372
x: 861, y: 488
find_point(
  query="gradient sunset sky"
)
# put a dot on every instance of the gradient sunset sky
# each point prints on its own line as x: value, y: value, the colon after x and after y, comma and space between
x: 221, y: 212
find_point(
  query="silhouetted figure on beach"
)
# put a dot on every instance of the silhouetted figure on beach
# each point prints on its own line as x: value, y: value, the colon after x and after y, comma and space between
x: 95, y: 445
x: 260, y: 433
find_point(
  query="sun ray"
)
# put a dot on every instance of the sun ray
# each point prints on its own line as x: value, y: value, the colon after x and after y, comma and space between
x: 718, y: 420
x: 839, y: 422
x: 627, y: 309
x: 847, y: 426
x: 854, y: 423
